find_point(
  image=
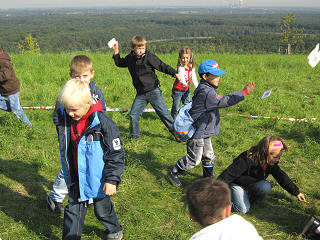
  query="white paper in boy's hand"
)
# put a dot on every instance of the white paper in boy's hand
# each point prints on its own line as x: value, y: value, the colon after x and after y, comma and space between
x: 266, y: 94
x: 112, y: 42
x: 314, y: 56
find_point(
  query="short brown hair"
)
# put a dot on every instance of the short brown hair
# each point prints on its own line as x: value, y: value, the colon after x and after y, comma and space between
x: 80, y: 64
x: 207, y: 198
x: 138, y: 41
x: 258, y: 154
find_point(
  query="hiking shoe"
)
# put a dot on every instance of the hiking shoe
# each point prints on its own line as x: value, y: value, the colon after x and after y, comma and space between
x: 115, y: 236
x: 173, y: 178
x: 54, y: 206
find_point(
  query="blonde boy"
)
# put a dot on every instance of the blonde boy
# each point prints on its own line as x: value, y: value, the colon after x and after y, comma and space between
x: 92, y: 160
x: 81, y: 67
x: 142, y: 65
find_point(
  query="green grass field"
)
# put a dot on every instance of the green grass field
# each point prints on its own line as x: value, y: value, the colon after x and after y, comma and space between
x: 149, y: 207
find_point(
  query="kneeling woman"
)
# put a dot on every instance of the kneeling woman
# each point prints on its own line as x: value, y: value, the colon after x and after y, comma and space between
x: 247, y: 174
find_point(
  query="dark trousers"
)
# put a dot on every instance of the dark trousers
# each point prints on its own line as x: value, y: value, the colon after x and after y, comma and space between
x: 75, y: 213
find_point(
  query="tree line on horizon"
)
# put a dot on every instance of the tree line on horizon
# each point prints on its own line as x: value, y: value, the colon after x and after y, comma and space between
x: 166, y: 32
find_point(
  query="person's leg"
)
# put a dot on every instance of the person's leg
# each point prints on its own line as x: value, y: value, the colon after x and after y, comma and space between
x: 156, y: 100
x: 138, y: 105
x: 208, y: 158
x: 58, y: 193
x: 239, y: 199
x: 176, y: 98
x: 14, y: 104
x: 74, y: 216
x: 193, y: 158
x: 186, y: 96
x: 4, y: 104
x: 258, y: 190
x: 104, y: 211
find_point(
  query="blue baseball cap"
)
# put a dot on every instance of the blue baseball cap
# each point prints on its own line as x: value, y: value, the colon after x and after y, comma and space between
x: 210, y: 66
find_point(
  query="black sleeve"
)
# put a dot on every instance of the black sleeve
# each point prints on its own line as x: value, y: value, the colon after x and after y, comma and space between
x: 120, y: 62
x: 283, y: 179
x: 156, y: 63
x: 239, y: 165
x: 113, y: 151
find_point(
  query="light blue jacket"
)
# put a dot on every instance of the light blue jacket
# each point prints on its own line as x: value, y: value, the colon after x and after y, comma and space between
x: 100, y: 154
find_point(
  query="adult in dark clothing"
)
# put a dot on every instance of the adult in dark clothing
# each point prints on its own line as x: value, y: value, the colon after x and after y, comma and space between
x: 141, y: 65
x: 247, y: 174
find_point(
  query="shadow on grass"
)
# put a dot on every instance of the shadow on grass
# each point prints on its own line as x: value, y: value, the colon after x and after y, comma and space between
x: 26, y: 202
x: 300, y: 132
x: 125, y: 133
x: 279, y: 209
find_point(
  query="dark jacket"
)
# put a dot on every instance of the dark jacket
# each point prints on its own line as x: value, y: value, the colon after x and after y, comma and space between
x: 205, y: 109
x: 9, y: 83
x: 243, y: 173
x: 100, y: 154
x: 142, y: 70
x: 96, y: 94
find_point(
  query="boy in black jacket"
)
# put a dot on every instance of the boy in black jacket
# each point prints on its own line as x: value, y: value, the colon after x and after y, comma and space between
x: 142, y: 64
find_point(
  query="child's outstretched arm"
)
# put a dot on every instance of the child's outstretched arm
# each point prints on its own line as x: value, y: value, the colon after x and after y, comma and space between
x: 116, y: 48
x: 120, y: 62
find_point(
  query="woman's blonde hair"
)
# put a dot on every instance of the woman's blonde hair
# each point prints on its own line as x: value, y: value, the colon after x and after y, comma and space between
x: 75, y: 93
x: 258, y: 154
x: 188, y: 51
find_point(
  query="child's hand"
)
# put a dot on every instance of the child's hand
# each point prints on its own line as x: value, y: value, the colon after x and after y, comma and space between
x: 181, y: 80
x: 249, y: 87
x: 301, y: 197
x: 116, y: 47
x: 109, y: 189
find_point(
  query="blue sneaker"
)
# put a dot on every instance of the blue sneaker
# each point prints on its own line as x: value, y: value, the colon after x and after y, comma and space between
x: 173, y: 178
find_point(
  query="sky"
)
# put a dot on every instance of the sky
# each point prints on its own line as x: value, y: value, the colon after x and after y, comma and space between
x: 153, y: 3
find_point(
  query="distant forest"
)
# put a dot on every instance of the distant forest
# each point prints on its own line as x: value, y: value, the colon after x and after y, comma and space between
x: 230, y: 30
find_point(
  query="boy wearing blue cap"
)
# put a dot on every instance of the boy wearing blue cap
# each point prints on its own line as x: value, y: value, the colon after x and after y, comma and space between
x: 206, y: 116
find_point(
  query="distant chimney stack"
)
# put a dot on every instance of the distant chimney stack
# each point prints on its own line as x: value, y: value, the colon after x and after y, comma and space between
x: 241, y: 3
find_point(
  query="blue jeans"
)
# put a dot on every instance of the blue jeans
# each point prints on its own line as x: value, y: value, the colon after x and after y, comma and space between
x: 59, y: 189
x: 240, y: 197
x: 177, y: 97
x: 13, y: 105
x: 75, y: 213
x: 139, y: 104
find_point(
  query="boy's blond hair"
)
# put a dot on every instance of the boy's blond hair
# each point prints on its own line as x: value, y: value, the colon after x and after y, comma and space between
x: 80, y: 64
x: 75, y: 93
x: 138, y: 41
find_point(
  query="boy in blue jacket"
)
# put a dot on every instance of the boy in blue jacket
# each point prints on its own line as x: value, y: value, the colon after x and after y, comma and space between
x: 80, y: 68
x: 92, y: 159
x: 206, y: 116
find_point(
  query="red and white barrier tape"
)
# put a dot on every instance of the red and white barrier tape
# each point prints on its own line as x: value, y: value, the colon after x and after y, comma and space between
x: 109, y: 109
x: 262, y: 117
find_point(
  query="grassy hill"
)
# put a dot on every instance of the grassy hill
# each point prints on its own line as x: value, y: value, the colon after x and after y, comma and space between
x: 149, y: 207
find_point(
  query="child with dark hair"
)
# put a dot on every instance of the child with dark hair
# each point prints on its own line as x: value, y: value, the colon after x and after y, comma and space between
x: 206, y: 115
x: 209, y: 204
x: 247, y: 174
